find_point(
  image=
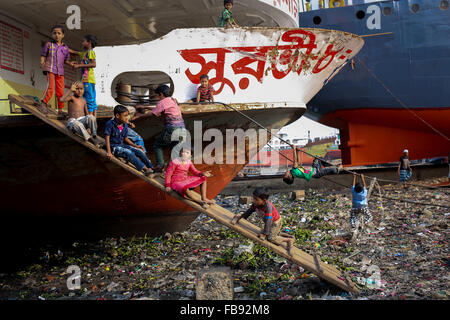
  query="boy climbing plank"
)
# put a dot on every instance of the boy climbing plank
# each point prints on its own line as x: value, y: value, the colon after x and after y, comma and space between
x: 273, y: 221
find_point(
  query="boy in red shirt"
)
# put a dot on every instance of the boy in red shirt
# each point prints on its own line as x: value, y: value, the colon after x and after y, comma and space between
x: 272, y: 219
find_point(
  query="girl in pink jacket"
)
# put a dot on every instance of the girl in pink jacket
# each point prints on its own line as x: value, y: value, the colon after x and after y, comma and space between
x: 177, y: 178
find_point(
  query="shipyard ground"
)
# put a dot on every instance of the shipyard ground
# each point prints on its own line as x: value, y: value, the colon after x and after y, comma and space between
x: 408, y: 243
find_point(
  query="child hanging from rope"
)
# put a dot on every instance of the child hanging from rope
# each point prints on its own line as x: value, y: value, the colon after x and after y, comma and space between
x: 177, y: 178
x: 317, y: 171
x: 359, y: 202
x: 272, y: 219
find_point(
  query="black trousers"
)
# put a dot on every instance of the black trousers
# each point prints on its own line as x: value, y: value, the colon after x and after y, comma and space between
x: 320, y: 171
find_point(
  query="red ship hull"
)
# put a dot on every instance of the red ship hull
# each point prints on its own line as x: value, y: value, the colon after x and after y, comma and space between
x: 45, y: 174
x: 372, y: 136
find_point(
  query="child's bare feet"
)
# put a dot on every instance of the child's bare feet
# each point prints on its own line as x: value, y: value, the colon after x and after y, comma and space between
x: 43, y: 108
x: 208, y: 201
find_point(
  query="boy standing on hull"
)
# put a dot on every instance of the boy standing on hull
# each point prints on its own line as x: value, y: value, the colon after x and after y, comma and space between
x: 53, y: 57
x: 87, y: 65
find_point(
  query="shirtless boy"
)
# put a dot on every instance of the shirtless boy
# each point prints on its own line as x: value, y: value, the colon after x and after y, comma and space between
x: 79, y: 120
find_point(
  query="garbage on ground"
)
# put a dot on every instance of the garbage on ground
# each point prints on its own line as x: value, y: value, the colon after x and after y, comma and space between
x: 401, y: 254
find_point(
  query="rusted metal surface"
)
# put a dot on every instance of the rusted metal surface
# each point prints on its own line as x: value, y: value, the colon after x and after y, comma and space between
x: 59, y: 177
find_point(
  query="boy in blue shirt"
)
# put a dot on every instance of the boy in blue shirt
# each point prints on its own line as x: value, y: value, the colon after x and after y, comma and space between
x: 119, y: 145
x: 359, y: 202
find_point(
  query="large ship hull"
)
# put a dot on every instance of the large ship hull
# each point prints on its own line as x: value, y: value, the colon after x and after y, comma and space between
x: 269, y: 74
x: 394, y: 95
x: 60, y: 178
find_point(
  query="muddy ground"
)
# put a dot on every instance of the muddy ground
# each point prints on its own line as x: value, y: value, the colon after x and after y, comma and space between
x: 402, y: 254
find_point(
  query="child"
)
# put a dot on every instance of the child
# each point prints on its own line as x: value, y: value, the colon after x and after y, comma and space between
x: 116, y: 131
x: 272, y: 219
x: 316, y: 171
x: 177, y: 178
x: 205, y: 92
x: 87, y: 65
x: 53, y: 56
x: 404, y: 168
x: 226, y: 18
x: 359, y: 202
x: 168, y: 108
x: 79, y: 120
x: 135, y: 137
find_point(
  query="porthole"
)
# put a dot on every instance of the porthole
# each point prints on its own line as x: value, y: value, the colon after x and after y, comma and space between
x: 443, y: 5
x: 415, y: 8
x: 360, y: 14
x: 317, y: 20
x: 387, y: 11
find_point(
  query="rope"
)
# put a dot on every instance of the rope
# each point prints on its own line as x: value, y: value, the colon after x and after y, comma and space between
x: 389, y: 198
x: 315, y: 157
x: 375, y: 34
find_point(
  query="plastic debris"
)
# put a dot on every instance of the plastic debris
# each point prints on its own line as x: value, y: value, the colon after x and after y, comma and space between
x: 402, y: 254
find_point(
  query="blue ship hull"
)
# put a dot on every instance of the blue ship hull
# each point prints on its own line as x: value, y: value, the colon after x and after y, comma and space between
x: 395, y: 94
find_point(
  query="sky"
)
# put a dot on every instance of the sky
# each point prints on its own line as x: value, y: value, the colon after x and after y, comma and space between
x: 299, y: 129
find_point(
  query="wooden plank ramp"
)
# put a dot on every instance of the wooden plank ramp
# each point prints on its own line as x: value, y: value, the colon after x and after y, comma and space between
x: 308, y: 262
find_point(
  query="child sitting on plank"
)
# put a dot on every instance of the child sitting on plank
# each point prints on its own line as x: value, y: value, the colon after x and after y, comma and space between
x: 177, y: 178
x: 79, y: 120
x: 119, y: 145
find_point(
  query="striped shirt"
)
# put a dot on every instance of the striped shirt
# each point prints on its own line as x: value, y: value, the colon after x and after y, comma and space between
x: 205, y: 93
x: 268, y: 213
